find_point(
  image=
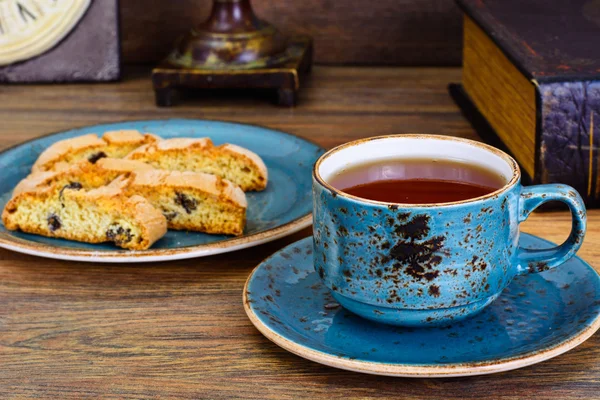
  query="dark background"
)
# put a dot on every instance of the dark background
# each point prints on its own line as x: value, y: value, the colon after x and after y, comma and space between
x: 381, y: 32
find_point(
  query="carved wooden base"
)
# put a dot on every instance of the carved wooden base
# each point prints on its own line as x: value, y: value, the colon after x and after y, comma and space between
x: 285, y: 78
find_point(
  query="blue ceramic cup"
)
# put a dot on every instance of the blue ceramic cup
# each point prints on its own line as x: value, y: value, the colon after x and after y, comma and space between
x: 426, y: 264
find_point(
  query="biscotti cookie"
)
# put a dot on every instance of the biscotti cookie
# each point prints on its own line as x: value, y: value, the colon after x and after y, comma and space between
x: 116, y: 144
x: 236, y: 164
x: 192, y: 201
x: 83, y: 173
x: 105, y: 214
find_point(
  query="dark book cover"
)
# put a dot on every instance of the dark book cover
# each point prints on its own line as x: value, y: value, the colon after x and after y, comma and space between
x: 556, y: 45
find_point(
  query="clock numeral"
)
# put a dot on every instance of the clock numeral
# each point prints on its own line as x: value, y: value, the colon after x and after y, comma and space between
x: 25, y: 13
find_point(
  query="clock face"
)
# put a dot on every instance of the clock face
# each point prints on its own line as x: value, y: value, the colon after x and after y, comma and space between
x: 30, y: 27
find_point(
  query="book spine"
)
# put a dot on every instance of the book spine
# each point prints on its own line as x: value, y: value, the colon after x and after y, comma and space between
x: 569, y: 136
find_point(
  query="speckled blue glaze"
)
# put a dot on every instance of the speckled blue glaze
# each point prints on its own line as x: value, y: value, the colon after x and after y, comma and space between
x: 430, y: 264
x: 288, y: 158
x: 534, y: 314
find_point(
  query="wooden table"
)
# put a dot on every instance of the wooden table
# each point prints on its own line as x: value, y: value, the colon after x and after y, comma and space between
x: 178, y: 329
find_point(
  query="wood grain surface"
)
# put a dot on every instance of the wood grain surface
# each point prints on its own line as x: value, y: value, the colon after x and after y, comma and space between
x: 178, y: 329
x: 402, y: 32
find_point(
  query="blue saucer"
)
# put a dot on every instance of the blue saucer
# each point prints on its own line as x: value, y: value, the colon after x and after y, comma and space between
x: 283, y: 208
x: 537, y: 317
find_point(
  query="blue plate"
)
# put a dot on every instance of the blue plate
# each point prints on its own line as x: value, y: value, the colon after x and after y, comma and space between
x: 537, y: 317
x: 283, y: 208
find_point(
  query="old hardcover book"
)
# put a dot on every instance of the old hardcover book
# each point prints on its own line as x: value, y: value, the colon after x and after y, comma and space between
x: 531, y: 69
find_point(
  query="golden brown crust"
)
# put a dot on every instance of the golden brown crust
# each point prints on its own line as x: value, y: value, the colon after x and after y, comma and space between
x: 208, y: 183
x: 89, y: 175
x: 184, y: 143
x: 112, y: 144
x: 123, y: 137
x: 121, y: 143
x: 229, y: 198
x: 60, y: 149
x: 107, y: 169
x: 134, y: 177
x: 251, y: 157
x: 13, y: 203
x: 134, y: 210
x: 114, y: 195
x: 155, y: 223
x: 122, y: 166
x: 200, y: 155
x: 34, y: 181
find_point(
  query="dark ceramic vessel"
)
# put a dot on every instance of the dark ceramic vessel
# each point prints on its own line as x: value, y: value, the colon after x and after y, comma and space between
x: 415, y: 265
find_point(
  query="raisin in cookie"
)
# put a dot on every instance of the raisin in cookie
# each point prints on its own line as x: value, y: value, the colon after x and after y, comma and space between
x: 84, y: 173
x: 105, y: 214
x: 116, y: 144
x: 192, y: 201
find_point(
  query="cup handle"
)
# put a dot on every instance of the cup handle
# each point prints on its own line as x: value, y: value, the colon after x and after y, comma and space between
x: 538, y: 260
